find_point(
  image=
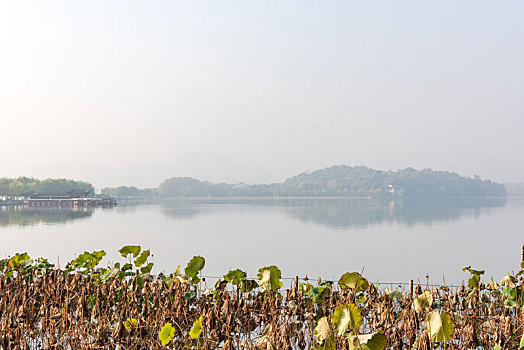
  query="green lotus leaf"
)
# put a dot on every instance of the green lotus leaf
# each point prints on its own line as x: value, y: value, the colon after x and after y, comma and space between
x: 99, y: 254
x: 220, y: 285
x: 473, y: 272
x: 126, y: 266
x: 27, y: 263
x: 510, y: 304
x: 139, y: 281
x: 269, y: 278
x: 194, y: 280
x: 473, y: 281
x: 305, y: 287
x: 362, y: 297
x: 235, y: 276
x: 181, y: 279
x: 247, y: 286
x: 439, y: 326
x: 194, y: 266
x: 423, y: 301
x: 84, y: 257
x: 346, y: 317
x: 18, y: 259
x: 87, y: 260
x: 195, y: 331
x: 374, y: 341
x: 354, y: 281
x: 394, y: 295
x: 130, y: 249
x: 142, y: 258
x: 147, y: 268
x: 108, y: 275
x: 191, y: 295
x: 510, y: 293
x: 167, y: 333
x: 324, y: 334
x: 317, y: 294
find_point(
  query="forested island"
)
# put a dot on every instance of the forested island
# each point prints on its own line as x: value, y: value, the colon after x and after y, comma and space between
x: 343, y: 181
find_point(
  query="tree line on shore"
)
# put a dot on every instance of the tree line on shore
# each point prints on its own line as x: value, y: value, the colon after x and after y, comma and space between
x: 18, y: 186
x: 343, y: 181
x: 337, y: 181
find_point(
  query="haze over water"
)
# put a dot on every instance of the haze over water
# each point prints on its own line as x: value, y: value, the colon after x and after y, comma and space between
x: 394, y: 241
x: 131, y: 92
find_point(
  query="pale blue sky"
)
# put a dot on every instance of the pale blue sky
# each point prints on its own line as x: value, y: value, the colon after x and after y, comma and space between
x: 130, y: 92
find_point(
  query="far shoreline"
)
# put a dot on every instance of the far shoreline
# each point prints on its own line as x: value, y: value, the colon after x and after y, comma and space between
x: 330, y: 197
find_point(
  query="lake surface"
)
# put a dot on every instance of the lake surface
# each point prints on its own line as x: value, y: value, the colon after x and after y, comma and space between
x: 392, y: 240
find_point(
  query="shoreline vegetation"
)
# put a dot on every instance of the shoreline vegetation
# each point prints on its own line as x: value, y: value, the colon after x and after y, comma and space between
x: 311, y: 197
x: 17, y: 187
x: 343, y: 181
x: 84, y: 305
x: 339, y: 181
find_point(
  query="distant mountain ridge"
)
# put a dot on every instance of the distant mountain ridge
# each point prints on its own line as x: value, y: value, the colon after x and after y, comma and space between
x: 344, y: 180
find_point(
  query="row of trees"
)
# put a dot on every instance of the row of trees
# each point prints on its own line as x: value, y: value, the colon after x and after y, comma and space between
x: 129, y: 191
x: 339, y: 180
x: 344, y: 181
x: 20, y: 185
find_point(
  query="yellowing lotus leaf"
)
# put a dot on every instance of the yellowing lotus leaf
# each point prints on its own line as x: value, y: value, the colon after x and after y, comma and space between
x: 346, y: 317
x: 324, y: 334
x: 374, y: 341
x: 439, y: 326
x: 167, y: 333
x: 130, y: 323
x: 269, y: 278
x: 196, y: 329
x: 354, y: 281
x: 423, y: 301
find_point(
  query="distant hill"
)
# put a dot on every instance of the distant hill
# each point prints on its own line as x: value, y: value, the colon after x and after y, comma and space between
x: 343, y: 180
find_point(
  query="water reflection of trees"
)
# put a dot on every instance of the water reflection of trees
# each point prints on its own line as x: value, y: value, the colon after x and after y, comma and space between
x: 10, y: 216
x: 347, y: 213
x: 181, y: 209
x: 406, y: 211
x: 338, y: 213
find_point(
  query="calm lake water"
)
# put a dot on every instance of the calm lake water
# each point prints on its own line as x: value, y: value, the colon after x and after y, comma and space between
x: 393, y: 241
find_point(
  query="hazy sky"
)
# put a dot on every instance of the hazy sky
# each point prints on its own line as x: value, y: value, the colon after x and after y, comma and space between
x: 124, y: 92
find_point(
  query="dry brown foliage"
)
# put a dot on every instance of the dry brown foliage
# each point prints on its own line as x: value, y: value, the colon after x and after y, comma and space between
x: 69, y: 311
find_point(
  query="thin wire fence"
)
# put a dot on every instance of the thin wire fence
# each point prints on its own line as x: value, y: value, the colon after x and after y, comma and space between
x: 377, y: 283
